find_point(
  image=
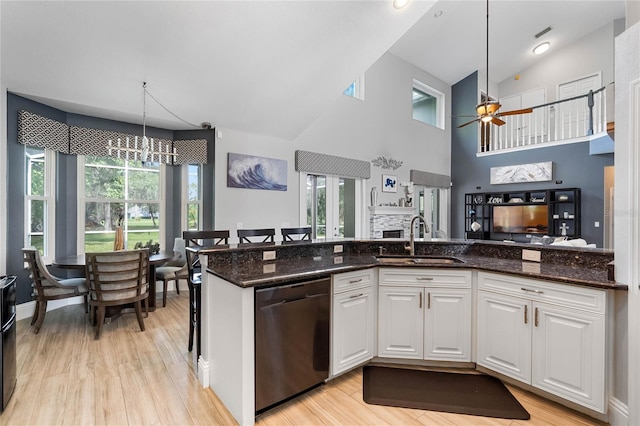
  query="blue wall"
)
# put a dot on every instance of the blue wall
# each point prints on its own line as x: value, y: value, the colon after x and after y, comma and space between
x: 572, y: 165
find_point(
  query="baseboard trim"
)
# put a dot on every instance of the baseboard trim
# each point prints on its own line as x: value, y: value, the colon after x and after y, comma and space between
x: 618, y: 413
x: 203, y: 372
x: 26, y: 310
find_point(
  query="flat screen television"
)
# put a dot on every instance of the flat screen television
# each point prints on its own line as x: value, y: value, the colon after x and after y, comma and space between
x: 529, y: 219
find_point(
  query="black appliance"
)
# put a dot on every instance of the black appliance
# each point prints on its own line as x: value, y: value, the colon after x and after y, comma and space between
x: 291, y: 340
x: 8, y: 339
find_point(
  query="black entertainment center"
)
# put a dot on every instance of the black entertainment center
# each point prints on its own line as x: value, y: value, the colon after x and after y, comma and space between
x: 522, y: 215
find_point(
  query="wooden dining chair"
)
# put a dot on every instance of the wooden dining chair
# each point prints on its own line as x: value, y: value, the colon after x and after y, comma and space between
x: 267, y: 235
x: 296, y: 234
x: 48, y: 287
x: 195, y: 240
x: 117, y: 278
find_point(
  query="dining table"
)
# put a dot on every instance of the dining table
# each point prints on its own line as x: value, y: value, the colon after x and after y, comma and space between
x: 156, y: 259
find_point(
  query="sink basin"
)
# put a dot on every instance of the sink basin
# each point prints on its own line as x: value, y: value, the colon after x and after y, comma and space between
x: 416, y: 260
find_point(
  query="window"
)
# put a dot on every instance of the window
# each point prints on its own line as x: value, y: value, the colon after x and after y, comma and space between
x: 433, y: 205
x: 118, y: 192
x: 39, y: 199
x: 356, y: 89
x: 192, y: 198
x: 333, y: 205
x: 428, y: 104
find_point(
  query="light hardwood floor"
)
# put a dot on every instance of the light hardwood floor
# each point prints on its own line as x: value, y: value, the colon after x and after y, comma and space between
x: 130, y: 377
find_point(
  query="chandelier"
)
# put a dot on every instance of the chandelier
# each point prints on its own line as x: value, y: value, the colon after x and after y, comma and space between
x: 143, y: 148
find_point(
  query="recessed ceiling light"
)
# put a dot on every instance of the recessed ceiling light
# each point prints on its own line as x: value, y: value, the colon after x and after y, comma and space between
x: 399, y: 4
x: 541, y: 48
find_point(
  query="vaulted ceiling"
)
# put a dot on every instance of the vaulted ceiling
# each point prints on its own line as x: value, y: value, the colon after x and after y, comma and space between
x: 266, y: 67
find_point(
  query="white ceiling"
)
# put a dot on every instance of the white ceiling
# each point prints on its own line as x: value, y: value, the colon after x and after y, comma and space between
x: 266, y: 67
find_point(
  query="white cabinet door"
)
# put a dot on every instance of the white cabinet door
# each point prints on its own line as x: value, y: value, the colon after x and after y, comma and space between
x: 569, y: 354
x: 353, y: 329
x: 504, y: 335
x: 447, y: 330
x: 400, y: 322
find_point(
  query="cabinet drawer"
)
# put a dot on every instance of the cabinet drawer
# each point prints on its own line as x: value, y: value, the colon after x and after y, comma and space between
x: 557, y: 293
x: 352, y: 280
x: 425, y: 277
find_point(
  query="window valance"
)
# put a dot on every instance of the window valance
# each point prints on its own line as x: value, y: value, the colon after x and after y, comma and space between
x: 43, y: 132
x: 313, y: 162
x: 430, y: 180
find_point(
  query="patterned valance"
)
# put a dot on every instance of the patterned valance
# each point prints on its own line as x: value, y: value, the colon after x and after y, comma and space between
x: 35, y: 130
x: 313, y: 162
x: 85, y: 141
x: 192, y: 151
x: 42, y: 132
x: 430, y: 180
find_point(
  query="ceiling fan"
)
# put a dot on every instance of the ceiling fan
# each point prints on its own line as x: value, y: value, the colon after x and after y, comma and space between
x: 487, y: 111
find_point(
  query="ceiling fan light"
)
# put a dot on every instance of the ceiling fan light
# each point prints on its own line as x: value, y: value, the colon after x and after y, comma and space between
x: 399, y: 4
x: 486, y: 119
x: 541, y: 48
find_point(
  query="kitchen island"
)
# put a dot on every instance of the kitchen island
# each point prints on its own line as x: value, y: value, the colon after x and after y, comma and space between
x: 233, y: 275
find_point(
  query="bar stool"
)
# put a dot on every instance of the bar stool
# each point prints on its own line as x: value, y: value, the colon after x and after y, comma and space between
x: 194, y: 240
x: 296, y: 234
x: 268, y: 234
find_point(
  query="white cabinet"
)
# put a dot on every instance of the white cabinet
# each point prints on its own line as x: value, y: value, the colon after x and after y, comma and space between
x: 424, y: 313
x: 400, y: 328
x: 504, y: 335
x: 447, y: 332
x: 550, y: 335
x: 353, y: 319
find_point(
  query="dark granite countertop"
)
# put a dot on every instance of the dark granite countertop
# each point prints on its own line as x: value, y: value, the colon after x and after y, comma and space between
x: 246, y: 269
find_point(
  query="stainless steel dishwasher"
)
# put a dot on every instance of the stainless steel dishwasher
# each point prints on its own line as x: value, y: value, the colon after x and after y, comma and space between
x: 291, y: 340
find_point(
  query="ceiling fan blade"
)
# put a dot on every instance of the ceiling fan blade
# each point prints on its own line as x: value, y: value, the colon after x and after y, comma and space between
x: 516, y: 112
x: 495, y: 120
x: 469, y: 122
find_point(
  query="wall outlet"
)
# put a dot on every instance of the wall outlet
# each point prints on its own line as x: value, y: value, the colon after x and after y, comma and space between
x: 337, y: 260
x: 269, y: 268
x: 337, y: 248
x: 531, y: 255
x: 596, y: 224
x: 268, y: 255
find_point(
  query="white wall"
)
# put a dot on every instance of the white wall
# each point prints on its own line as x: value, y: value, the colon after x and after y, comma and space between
x: 593, y: 53
x: 627, y: 200
x: 381, y: 125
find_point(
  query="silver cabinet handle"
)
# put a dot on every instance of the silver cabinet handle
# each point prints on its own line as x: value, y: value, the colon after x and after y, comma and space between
x: 535, y: 321
x: 355, y: 281
x: 526, y: 314
x: 356, y: 296
x: 429, y: 300
x: 420, y: 305
x: 424, y: 278
x: 532, y: 291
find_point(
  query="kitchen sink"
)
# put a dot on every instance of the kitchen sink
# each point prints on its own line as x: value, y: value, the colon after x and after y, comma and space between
x: 417, y: 260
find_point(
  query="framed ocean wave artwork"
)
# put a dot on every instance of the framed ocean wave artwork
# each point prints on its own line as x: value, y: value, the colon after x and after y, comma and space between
x: 251, y: 172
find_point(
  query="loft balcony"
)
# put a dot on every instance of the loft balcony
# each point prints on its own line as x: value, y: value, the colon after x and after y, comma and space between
x: 578, y: 119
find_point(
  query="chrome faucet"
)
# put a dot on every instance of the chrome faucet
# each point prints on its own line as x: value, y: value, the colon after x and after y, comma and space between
x: 411, y: 245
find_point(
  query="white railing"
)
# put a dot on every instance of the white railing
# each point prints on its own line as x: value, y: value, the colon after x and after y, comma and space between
x: 574, y: 118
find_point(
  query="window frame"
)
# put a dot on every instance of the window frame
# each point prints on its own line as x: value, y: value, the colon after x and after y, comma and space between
x: 358, y: 89
x: 82, y: 200
x: 184, y: 210
x: 440, y: 103
x: 332, y: 204
x: 49, y: 188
